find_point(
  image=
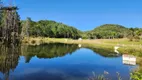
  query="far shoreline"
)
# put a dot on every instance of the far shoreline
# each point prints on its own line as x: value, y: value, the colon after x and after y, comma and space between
x: 126, y: 46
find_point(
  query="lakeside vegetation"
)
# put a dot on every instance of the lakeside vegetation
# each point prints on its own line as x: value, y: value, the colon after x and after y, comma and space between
x: 126, y: 46
x: 103, y: 38
x: 47, y: 28
x: 52, y: 29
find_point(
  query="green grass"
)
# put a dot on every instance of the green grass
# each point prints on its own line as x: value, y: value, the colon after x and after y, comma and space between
x: 125, y: 44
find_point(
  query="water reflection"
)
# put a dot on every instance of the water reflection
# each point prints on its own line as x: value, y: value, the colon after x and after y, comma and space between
x: 129, y: 59
x: 9, y: 56
x: 79, y: 45
x: 56, y: 61
x: 53, y: 50
x: 105, y: 52
x: 48, y: 50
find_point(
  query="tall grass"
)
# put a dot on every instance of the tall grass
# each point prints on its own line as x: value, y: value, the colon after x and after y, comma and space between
x: 102, y: 77
x: 136, y: 75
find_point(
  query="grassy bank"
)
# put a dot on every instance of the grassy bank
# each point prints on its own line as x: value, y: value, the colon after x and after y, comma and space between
x: 126, y: 46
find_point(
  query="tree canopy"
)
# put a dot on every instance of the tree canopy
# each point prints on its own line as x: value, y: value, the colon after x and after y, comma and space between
x: 48, y: 28
x: 53, y: 29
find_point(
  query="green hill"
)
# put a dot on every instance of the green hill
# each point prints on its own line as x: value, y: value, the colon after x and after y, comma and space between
x: 48, y: 28
x: 108, y: 31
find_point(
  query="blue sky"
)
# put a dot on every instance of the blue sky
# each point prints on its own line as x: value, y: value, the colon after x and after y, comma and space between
x: 83, y: 14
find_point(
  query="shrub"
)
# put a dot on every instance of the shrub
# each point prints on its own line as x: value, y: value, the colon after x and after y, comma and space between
x: 25, y: 41
x: 137, y: 38
x: 130, y: 38
x: 33, y: 41
x: 136, y: 76
x: 41, y: 41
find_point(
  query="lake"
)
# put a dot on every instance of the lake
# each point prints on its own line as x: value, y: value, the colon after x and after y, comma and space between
x: 56, y: 61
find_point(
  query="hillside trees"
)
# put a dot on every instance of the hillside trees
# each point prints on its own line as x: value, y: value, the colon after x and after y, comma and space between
x: 52, y: 29
x: 108, y: 31
x: 46, y: 28
x: 113, y: 31
x: 135, y: 34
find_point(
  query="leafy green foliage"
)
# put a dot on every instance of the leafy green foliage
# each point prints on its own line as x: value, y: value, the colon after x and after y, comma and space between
x: 52, y: 29
x: 136, y: 76
x: 46, y: 28
x: 135, y: 34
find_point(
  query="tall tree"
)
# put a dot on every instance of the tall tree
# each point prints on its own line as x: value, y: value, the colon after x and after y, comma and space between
x: 25, y: 27
x: 10, y: 24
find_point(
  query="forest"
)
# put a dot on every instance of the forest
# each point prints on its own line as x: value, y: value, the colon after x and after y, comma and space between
x: 48, y: 28
x: 52, y: 29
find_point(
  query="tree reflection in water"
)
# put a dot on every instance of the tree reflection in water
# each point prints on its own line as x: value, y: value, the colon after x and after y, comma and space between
x: 51, y: 50
x: 104, y: 52
x: 9, y: 56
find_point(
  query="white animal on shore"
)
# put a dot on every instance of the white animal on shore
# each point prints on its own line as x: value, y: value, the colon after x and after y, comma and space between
x: 80, y: 39
x: 116, y: 49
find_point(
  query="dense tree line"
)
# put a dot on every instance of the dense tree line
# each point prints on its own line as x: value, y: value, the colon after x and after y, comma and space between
x: 52, y: 29
x: 47, y: 28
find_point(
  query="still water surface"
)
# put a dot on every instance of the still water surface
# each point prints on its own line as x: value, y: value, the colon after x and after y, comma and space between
x: 59, y: 62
